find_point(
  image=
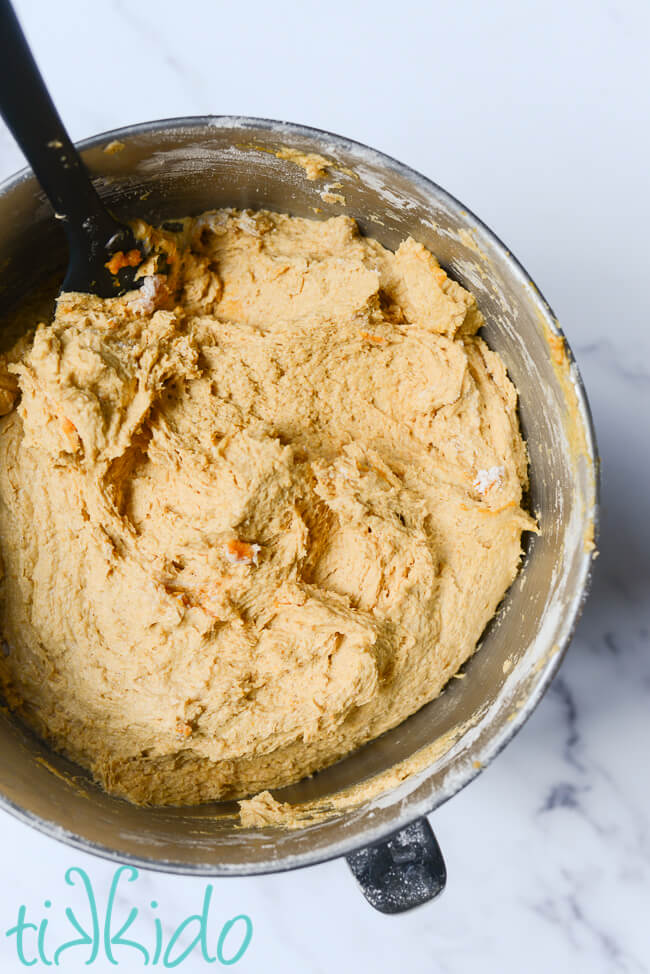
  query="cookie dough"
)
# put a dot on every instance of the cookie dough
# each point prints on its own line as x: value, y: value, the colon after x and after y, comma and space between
x: 254, y: 513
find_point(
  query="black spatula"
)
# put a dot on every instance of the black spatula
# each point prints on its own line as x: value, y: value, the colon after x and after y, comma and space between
x: 104, y: 254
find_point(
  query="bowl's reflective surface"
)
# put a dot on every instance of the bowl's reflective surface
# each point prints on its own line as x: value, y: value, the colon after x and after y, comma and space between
x: 172, y: 169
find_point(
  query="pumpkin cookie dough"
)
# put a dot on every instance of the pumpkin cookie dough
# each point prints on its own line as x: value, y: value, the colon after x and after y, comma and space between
x: 254, y: 513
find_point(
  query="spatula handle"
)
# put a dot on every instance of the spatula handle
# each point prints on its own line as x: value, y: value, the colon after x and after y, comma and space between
x: 29, y: 113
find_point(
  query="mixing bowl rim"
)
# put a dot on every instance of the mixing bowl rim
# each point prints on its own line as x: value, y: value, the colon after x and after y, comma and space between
x: 429, y: 803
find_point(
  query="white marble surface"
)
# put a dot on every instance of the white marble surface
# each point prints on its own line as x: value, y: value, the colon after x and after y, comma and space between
x: 535, y: 115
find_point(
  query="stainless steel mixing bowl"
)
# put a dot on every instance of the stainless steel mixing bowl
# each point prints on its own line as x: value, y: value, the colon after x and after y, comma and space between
x: 174, y: 168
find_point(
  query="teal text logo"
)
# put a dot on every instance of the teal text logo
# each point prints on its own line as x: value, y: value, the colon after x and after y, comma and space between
x: 130, y: 936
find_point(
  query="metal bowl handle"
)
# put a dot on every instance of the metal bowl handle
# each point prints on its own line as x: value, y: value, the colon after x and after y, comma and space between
x: 401, y: 872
